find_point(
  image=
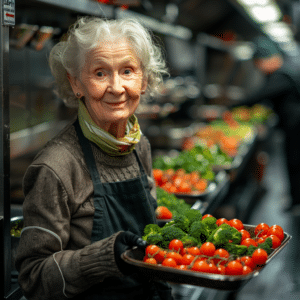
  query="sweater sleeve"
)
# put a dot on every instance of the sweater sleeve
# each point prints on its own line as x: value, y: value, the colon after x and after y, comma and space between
x: 48, y: 268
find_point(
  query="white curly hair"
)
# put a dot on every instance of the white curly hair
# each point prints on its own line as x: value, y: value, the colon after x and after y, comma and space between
x: 68, y: 57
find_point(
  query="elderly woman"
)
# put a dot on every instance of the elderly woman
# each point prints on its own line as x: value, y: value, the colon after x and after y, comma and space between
x: 90, y: 192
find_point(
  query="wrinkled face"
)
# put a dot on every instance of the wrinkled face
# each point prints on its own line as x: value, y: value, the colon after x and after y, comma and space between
x: 111, y: 83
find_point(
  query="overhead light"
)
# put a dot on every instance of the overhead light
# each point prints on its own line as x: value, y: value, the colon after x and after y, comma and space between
x: 254, y: 2
x: 279, y: 32
x: 263, y: 14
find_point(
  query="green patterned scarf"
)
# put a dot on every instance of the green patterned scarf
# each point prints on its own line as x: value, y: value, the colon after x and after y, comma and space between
x: 107, y: 142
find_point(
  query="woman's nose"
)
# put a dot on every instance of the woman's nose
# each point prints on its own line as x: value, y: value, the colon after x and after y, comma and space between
x: 116, y: 84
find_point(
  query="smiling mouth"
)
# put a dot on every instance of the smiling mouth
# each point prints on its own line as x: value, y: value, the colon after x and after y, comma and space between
x: 115, y: 103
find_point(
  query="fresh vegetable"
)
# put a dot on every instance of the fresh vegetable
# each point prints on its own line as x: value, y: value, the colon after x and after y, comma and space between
x: 163, y: 212
x: 193, y: 242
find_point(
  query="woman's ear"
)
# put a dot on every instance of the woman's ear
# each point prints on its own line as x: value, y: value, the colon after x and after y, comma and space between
x: 75, y: 84
x: 144, y: 85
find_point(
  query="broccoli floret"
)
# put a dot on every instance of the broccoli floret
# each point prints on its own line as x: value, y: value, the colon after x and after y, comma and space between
x: 193, y: 215
x: 210, y: 224
x: 169, y: 233
x: 182, y: 222
x: 151, y: 228
x: 199, y: 231
x: 236, y: 236
x: 154, y: 238
x: 250, y: 250
x: 220, y: 236
x: 266, y: 245
x: 237, y: 250
x: 189, y: 241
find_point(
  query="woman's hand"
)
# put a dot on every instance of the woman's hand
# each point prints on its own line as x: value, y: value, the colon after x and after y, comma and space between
x: 125, y: 241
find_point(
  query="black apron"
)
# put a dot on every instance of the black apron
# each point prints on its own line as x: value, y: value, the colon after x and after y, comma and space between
x: 121, y: 206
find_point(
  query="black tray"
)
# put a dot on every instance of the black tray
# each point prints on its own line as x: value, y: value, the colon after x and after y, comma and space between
x: 213, y: 281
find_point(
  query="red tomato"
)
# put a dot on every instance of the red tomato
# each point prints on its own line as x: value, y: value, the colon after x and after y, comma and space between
x: 176, y: 256
x: 247, y: 270
x: 160, y: 256
x: 187, y: 259
x: 276, y: 230
x: 259, y: 256
x: 169, y: 262
x: 221, y: 269
x: 221, y: 256
x: 236, y: 223
x: 222, y: 221
x: 176, y: 245
x: 245, y: 234
x: 261, y: 229
x: 248, y: 241
x: 163, y: 212
x: 234, y: 267
x: 204, y: 266
x: 260, y: 240
x: 150, y: 260
x: 205, y: 216
x: 247, y: 261
x: 276, y: 242
x: 194, y: 251
x: 182, y: 267
x: 157, y: 175
x: 208, y: 249
x: 151, y: 250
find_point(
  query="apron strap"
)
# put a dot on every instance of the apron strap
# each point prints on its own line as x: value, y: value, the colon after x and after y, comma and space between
x: 89, y: 156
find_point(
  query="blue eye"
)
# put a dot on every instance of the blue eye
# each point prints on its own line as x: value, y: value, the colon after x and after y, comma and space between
x: 127, y: 72
x: 100, y: 74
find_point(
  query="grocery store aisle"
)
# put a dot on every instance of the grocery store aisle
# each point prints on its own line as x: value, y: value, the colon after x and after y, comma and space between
x: 281, y: 278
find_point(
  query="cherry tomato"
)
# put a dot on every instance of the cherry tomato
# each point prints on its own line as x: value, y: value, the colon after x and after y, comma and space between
x: 259, y: 256
x: 157, y: 175
x: 247, y: 261
x: 160, y: 256
x: 176, y: 245
x: 176, y: 256
x: 221, y: 269
x: 276, y: 242
x: 151, y: 250
x: 261, y: 229
x: 222, y: 254
x: 163, y: 212
x: 208, y: 249
x: 248, y: 241
x: 247, y: 270
x: 204, y: 266
x: 169, y: 262
x: 234, y: 267
x: 222, y: 221
x: 205, y: 216
x: 150, y: 260
x: 236, y: 223
x: 182, y: 267
x: 193, y: 250
x: 260, y: 240
x: 276, y: 230
x: 245, y: 234
x: 187, y: 259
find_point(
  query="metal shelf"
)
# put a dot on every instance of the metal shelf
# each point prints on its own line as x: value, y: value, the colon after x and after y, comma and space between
x: 89, y: 7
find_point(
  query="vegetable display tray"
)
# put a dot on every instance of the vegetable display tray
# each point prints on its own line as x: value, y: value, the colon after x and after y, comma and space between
x: 214, y: 281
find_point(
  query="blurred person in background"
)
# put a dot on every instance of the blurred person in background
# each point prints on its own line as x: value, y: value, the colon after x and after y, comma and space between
x: 282, y: 91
